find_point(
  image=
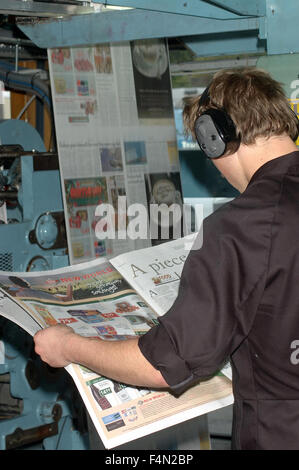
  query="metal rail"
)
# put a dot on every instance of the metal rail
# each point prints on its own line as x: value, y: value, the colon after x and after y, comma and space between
x: 43, y: 9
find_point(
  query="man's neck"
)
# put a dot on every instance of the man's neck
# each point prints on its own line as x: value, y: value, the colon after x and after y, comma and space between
x: 252, y: 157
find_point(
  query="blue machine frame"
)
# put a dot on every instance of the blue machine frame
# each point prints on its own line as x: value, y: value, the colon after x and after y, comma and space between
x: 210, y: 27
x: 36, y: 197
x: 47, y: 399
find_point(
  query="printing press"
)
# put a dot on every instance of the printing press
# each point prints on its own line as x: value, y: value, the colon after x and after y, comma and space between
x: 37, y: 403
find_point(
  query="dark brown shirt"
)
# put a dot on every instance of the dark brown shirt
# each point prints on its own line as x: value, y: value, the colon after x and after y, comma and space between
x: 239, y: 299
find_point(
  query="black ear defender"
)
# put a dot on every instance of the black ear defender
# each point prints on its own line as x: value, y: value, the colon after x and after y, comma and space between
x: 214, y: 128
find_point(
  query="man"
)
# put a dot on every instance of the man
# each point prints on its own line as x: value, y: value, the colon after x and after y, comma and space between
x: 238, y: 296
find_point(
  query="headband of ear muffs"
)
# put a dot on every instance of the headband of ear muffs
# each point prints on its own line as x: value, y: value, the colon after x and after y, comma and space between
x: 214, y: 128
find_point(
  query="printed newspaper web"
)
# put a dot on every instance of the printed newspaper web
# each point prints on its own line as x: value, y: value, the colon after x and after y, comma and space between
x: 116, y: 138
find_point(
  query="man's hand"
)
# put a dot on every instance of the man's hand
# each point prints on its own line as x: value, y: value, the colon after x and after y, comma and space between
x: 51, y: 345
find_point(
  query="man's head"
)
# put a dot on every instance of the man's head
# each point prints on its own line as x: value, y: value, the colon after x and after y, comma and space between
x: 254, y: 101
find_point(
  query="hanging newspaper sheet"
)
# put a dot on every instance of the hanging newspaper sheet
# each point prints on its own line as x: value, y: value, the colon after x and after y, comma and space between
x: 116, y: 137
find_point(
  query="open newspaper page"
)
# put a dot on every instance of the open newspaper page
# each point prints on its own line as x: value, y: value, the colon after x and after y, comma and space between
x: 96, y: 301
x: 155, y: 273
x: 14, y: 312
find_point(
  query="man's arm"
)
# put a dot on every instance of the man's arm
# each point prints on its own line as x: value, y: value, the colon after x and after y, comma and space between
x: 119, y: 360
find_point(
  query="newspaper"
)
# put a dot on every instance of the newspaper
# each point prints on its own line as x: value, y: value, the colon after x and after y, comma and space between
x: 114, y: 300
x: 116, y: 136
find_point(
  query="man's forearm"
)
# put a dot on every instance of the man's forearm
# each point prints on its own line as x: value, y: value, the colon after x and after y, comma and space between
x: 118, y: 360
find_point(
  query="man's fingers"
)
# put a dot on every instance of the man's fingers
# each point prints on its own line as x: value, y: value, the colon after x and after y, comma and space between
x: 50, y: 344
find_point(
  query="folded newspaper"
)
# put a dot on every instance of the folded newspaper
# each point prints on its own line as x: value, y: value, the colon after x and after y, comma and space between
x: 114, y: 300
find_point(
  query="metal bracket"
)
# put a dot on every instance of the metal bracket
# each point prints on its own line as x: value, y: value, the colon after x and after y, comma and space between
x: 241, y: 7
x: 216, y: 9
x: 21, y: 437
x: 42, y: 9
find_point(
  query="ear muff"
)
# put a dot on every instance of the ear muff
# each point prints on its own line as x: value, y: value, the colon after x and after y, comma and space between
x: 214, y: 128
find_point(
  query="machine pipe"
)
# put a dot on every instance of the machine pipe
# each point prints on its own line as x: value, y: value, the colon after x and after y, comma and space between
x: 8, y: 195
x: 28, y: 154
x: 29, y: 82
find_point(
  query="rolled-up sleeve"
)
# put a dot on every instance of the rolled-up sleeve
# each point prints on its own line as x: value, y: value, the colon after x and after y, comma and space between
x: 165, y: 358
x: 220, y: 289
